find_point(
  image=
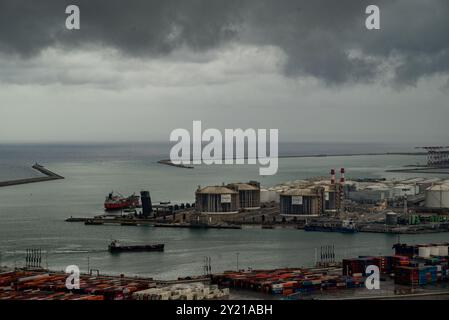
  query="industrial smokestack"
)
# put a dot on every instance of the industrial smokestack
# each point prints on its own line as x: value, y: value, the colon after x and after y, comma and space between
x: 342, y: 175
x: 147, y: 207
x: 332, y: 176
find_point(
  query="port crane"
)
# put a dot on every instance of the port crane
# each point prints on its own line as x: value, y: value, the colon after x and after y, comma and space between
x: 437, y: 156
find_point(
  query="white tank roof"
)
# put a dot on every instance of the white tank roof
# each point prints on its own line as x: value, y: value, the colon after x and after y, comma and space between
x: 379, y: 186
x: 439, y: 187
x: 404, y: 186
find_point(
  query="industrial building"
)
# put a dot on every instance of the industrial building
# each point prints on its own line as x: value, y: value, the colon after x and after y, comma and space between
x: 217, y: 199
x: 248, y: 194
x: 333, y: 197
x: 307, y: 201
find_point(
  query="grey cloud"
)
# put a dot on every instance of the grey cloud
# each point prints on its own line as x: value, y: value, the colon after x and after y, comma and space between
x: 316, y: 36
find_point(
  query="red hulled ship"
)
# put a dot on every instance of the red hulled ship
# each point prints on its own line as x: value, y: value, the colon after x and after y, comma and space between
x: 119, y: 202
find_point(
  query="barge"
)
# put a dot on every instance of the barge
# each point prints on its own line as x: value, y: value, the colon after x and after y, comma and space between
x: 116, y: 247
x: 342, y: 227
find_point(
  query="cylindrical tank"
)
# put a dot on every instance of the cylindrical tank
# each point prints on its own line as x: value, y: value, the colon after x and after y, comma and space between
x: 434, y: 251
x: 264, y: 195
x: 443, y: 251
x: 424, y: 252
x: 437, y: 196
x: 391, y: 219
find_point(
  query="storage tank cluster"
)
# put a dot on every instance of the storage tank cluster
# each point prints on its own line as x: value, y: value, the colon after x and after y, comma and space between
x: 402, y: 190
x: 435, y: 250
x: 228, y: 198
x: 370, y: 193
x: 437, y: 196
x: 308, y: 197
x: 373, y: 192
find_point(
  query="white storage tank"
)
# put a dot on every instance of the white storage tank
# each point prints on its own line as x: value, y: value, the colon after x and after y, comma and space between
x: 424, y: 252
x: 269, y: 195
x: 434, y: 251
x: 275, y: 194
x: 405, y: 190
x: 443, y: 251
x: 437, y: 196
x: 264, y: 195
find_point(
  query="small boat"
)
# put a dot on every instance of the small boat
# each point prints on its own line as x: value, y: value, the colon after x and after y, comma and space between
x: 116, y: 247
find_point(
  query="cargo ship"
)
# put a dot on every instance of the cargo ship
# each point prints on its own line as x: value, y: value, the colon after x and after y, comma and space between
x: 118, y: 202
x: 116, y: 247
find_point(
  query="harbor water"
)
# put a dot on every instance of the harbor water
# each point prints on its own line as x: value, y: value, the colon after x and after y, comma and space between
x: 32, y: 216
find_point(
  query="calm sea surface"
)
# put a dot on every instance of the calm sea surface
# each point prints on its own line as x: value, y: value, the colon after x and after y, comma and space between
x: 32, y: 216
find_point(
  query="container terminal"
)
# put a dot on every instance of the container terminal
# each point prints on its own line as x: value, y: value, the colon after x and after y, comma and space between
x: 419, y: 271
x: 327, y: 204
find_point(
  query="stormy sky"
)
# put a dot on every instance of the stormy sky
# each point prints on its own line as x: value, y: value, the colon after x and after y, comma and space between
x: 138, y: 69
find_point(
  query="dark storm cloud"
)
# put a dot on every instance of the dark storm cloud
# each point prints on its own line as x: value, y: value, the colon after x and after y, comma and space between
x: 324, y: 39
x: 136, y: 27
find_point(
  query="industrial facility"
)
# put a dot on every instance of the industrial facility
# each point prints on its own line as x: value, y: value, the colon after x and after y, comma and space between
x: 411, y: 205
x: 424, y: 192
x: 312, y: 197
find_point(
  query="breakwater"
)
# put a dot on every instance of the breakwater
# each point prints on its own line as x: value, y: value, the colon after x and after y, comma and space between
x: 49, y: 176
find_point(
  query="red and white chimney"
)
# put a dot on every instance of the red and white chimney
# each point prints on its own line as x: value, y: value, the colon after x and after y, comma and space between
x: 332, y: 176
x: 342, y: 175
